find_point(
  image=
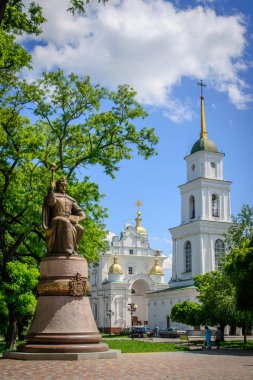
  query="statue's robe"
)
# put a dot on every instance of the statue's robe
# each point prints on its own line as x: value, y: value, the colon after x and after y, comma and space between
x: 60, y: 216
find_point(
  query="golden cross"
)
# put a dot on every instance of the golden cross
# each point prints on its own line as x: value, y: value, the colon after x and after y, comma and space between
x: 138, y: 204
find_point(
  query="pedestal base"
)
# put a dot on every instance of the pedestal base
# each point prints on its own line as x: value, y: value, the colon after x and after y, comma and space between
x: 110, y: 354
x: 63, y: 322
x: 62, y: 348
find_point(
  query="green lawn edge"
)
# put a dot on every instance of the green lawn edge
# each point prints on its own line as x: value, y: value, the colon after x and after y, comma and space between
x: 140, y: 346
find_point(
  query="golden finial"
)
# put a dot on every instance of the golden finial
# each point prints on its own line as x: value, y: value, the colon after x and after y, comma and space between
x: 138, y: 220
x: 203, y: 132
x: 138, y: 204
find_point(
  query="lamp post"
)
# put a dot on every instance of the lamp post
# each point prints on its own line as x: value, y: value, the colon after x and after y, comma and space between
x: 101, y: 294
x: 109, y: 314
x: 132, y: 308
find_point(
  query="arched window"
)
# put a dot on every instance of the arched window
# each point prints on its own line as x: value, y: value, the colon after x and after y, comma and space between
x: 192, y: 207
x: 219, y: 251
x: 215, y: 205
x: 188, y: 256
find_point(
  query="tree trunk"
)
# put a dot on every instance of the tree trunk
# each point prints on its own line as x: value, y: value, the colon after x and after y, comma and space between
x: 20, y: 327
x: 244, y: 331
x: 11, y: 334
x: 245, y: 337
x: 222, y: 328
x: 2, y: 9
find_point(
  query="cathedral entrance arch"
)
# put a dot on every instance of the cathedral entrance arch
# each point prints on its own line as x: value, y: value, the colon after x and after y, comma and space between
x: 138, y: 290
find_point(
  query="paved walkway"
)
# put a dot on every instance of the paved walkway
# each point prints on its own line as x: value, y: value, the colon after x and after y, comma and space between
x: 208, y: 365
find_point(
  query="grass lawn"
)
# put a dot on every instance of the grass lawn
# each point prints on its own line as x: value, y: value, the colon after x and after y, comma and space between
x: 137, y: 346
x: 132, y: 346
x: 238, y: 344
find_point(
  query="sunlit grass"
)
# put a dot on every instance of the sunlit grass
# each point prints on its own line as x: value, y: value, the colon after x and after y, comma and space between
x: 137, y: 346
x: 131, y: 346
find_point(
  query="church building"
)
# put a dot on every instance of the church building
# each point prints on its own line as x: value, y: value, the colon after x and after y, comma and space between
x: 198, y: 242
x: 123, y: 276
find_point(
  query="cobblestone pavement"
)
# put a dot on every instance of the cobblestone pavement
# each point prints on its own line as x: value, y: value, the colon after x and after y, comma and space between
x: 223, y: 364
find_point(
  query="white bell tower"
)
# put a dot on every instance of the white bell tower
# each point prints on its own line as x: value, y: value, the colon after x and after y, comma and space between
x: 198, y: 243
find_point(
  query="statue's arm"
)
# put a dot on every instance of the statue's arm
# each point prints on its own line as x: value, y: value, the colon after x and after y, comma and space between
x: 50, y: 199
x: 78, y: 211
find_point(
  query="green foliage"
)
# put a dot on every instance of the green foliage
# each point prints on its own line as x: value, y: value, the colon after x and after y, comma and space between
x: 78, y: 6
x: 17, y: 293
x: 3, y: 314
x: 89, y: 125
x: 17, y: 18
x: 12, y: 57
x: 217, y: 296
x: 241, y: 231
x: 239, y: 267
x: 239, y: 261
x: 187, y: 312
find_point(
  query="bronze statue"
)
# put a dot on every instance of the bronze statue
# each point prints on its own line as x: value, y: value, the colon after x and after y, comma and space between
x: 61, y: 215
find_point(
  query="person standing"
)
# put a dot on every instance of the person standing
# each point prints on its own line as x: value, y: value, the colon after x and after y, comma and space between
x: 156, y: 329
x: 218, y: 338
x: 208, y: 334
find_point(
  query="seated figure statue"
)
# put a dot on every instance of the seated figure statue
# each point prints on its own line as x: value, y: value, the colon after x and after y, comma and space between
x: 61, y: 215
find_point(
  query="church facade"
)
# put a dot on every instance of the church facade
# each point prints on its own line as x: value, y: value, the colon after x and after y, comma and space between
x: 123, y: 276
x: 131, y: 271
x: 198, y: 242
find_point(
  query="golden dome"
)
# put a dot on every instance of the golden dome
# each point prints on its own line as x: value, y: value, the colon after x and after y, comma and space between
x: 156, y: 269
x: 115, y: 267
x: 141, y: 230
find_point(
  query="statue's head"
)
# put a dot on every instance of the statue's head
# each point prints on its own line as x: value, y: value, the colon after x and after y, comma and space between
x: 61, y: 185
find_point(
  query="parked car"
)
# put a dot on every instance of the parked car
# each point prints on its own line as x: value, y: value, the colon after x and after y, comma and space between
x: 171, y: 332
x: 125, y: 331
x: 138, y: 332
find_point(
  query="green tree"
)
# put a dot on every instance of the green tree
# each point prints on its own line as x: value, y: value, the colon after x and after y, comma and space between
x: 217, y: 297
x: 17, y: 294
x: 239, y: 268
x: 18, y: 18
x: 187, y: 312
x: 241, y: 230
x: 89, y: 125
x: 239, y: 261
x: 77, y: 125
x: 78, y: 6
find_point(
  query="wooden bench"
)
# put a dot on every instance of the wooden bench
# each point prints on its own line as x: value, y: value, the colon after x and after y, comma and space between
x: 187, y: 339
x: 147, y: 338
x: 184, y: 339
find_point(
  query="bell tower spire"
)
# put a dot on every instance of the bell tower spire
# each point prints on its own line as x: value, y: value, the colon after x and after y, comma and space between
x: 203, y: 132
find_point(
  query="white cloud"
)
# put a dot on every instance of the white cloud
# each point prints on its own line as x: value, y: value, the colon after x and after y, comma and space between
x: 238, y: 97
x: 167, y: 241
x: 154, y: 238
x: 167, y: 264
x: 178, y: 111
x: 148, y: 44
x: 163, y: 240
x: 110, y: 235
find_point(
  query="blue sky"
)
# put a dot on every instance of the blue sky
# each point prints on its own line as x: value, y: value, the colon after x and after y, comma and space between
x: 162, y: 48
